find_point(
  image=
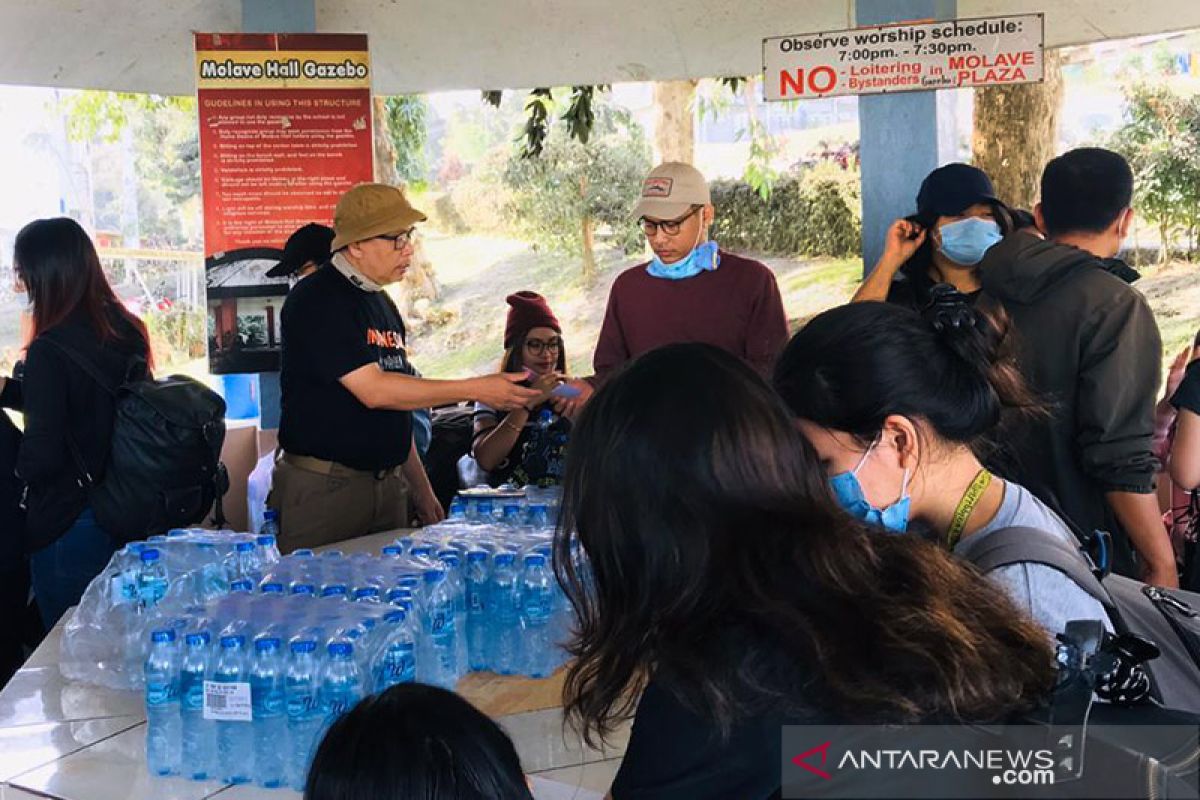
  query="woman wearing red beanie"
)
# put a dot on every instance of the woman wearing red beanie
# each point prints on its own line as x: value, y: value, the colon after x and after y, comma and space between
x: 527, y: 446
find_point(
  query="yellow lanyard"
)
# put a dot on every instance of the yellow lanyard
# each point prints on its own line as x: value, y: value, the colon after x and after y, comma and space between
x: 966, y: 505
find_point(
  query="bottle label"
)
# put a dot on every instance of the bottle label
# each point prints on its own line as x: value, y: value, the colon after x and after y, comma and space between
x: 475, y: 600
x: 160, y: 693
x: 191, y: 691
x: 228, y: 702
x: 301, y: 706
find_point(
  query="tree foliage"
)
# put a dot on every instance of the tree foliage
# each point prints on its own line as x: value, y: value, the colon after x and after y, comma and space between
x: 406, y: 119
x: 573, y: 189
x: 1161, y: 140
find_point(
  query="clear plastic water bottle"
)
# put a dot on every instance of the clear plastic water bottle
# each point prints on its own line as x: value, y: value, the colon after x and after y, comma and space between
x: 304, y: 718
x: 397, y: 659
x: 152, y: 579
x: 483, y: 512
x: 458, y: 510
x: 162, y: 704
x: 267, y: 677
x: 270, y: 524
x: 245, y: 563
x: 511, y: 516
x: 123, y: 580
x: 438, y: 621
x: 537, y: 612
x: 235, y: 738
x: 341, y: 681
x: 539, y: 516
x: 505, y: 613
x: 477, y: 608
x: 199, y: 756
x: 212, y: 581
x: 266, y: 547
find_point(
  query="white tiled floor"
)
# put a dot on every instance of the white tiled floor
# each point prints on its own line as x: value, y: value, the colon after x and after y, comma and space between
x: 28, y: 747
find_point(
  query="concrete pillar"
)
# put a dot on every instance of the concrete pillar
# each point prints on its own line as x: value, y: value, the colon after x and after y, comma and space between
x: 904, y: 136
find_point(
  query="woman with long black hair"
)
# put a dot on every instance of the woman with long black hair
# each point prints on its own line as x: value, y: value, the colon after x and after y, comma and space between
x: 68, y: 415
x: 725, y: 588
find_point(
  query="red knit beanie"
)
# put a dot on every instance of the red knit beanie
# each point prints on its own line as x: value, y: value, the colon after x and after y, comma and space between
x: 528, y: 310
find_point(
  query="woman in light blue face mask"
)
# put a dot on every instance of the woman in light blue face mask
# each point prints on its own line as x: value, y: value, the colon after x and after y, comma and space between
x: 906, y: 458
x: 958, y: 219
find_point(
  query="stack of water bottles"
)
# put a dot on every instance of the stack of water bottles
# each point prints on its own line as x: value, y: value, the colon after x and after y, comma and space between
x: 146, y: 583
x: 241, y: 687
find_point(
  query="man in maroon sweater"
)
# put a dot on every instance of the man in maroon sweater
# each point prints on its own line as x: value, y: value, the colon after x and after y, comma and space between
x: 691, y: 291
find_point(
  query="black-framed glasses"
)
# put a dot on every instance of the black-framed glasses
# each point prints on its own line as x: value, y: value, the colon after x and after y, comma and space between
x: 537, y: 346
x: 669, y: 227
x: 400, y: 240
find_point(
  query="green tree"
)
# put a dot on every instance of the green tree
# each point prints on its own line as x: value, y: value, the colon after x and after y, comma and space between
x: 406, y: 120
x: 572, y: 188
x: 1161, y: 140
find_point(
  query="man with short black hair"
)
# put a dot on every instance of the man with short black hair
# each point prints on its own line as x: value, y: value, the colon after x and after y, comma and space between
x: 1088, y: 344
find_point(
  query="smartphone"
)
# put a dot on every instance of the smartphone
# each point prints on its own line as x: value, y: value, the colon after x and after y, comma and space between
x: 565, y: 390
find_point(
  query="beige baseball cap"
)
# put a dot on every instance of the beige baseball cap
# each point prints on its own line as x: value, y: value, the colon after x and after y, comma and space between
x: 670, y: 191
x: 369, y: 210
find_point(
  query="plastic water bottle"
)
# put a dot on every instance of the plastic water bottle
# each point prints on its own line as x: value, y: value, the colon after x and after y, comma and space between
x: 505, y: 612
x: 162, y: 704
x: 441, y: 666
x: 454, y: 575
x: 304, y: 718
x: 245, y: 563
x: 235, y: 738
x: 199, y: 756
x: 152, y: 579
x: 265, y: 544
x: 537, y: 611
x: 341, y: 682
x: 212, y: 581
x: 511, y: 516
x: 397, y: 659
x: 477, y: 608
x: 267, y: 677
x: 458, y: 511
x: 123, y: 581
x: 270, y: 524
x: 483, y: 512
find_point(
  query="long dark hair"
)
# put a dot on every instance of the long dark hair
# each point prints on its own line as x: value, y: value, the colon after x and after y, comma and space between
x: 58, y: 264
x: 417, y: 742
x: 703, y: 512
x: 851, y: 367
x: 514, y: 357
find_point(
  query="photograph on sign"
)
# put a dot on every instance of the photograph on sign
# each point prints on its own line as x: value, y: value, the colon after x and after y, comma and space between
x: 906, y: 57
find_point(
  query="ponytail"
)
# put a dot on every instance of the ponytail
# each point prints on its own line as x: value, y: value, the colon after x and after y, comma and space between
x: 950, y: 366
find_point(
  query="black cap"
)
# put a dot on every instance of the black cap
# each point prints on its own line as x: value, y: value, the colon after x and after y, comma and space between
x: 949, y: 190
x: 310, y: 243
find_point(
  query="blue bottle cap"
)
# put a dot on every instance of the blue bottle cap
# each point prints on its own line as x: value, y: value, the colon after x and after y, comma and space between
x: 242, y: 585
x: 149, y: 555
x: 270, y: 514
x: 303, y: 645
x: 304, y: 588
x: 272, y: 587
x: 477, y: 555
x: 197, y: 637
x: 245, y: 547
x: 165, y: 635
x: 341, y: 649
x: 434, y: 575
x: 265, y: 540
x: 393, y: 550
x: 512, y: 509
x: 265, y: 644
x: 177, y: 532
x: 303, y: 552
x: 335, y: 589
x: 232, y: 640
x: 505, y: 558
x: 535, y: 560
x: 366, y: 591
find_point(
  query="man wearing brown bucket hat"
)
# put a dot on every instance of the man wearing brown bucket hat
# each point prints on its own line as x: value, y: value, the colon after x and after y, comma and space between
x: 347, y: 461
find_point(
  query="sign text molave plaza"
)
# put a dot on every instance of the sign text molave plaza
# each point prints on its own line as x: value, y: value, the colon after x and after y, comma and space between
x: 904, y: 58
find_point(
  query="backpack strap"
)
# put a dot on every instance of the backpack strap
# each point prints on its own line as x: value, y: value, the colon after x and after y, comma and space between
x: 84, y: 363
x: 1016, y: 545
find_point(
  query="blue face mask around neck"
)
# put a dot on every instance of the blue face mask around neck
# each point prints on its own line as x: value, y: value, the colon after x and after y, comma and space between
x: 703, y: 258
x: 849, y: 494
x: 965, y: 242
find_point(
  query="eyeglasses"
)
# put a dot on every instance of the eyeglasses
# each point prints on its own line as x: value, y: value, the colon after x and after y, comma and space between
x: 669, y: 227
x: 402, y: 239
x: 537, y: 346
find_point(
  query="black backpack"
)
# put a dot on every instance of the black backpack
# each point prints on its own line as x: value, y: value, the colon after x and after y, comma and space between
x: 163, y: 469
x: 1168, y: 617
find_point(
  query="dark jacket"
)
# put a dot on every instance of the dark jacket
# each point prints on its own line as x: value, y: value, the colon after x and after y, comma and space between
x: 59, y: 400
x: 1087, y: 342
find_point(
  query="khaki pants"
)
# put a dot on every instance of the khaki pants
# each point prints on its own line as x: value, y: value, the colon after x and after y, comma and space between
x: 321, y: 502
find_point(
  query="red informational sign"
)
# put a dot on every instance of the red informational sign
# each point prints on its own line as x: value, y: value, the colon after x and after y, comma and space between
x: 285, y: 130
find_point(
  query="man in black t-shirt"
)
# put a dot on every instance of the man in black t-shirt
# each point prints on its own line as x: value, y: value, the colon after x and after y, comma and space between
x: 346, y: 447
